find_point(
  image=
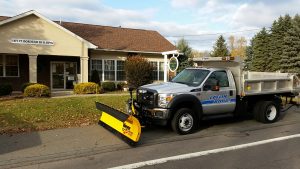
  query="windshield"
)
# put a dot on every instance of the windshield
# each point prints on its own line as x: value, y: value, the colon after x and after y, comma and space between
x: 191, y: 77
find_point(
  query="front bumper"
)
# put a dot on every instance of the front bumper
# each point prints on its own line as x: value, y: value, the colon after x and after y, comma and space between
x: 158, y: 113
x: 157, y: 116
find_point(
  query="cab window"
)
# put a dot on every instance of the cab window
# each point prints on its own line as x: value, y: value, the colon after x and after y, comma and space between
x: 219, y: 77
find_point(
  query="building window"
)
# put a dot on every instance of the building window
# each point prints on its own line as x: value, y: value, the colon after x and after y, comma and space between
x: 97, y: 65
x: 114, y: 70
x: 154, y: 72
x: 158, y: 71
x: 120, y: 70
x: 109, y: 70
x: 161, y: 71
x: 9, y: 65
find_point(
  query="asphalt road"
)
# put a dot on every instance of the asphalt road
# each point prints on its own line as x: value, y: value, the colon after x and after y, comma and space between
x: 283, y: 155
x: 157, y: 143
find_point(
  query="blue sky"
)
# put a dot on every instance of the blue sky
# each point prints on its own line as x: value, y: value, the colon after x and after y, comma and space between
x: 174, y: 19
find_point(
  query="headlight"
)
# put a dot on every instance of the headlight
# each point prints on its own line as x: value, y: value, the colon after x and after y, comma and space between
x: 164, y: 99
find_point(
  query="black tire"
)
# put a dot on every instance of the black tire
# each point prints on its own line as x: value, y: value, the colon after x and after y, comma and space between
x: 188, y: 125
x: 266, y: 111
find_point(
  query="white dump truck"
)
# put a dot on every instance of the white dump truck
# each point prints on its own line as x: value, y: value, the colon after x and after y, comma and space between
x: 216, y: 86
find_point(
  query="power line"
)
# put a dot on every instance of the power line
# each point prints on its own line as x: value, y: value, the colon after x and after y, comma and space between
x: 218, y: 33
x: 198, y: 40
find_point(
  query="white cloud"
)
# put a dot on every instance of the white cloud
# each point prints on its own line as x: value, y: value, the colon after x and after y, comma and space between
x: 256, y: 15
x: 184, y: 3
x: 94, y: 12
x: 217, y: 11
x: 168, y: 28
x: 88, y: 11
x: 262, y: 14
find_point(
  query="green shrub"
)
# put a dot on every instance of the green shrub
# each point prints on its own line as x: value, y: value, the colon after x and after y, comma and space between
x: 5, y: 89
x: 24, y: 85
x: 108, y: 86
x: 121, y: 85
x: 37, y: 90
x: 87, y: 88
x: 95, y: 77
x: 138, y: 71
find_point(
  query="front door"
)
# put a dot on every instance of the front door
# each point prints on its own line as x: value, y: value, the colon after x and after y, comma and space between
x: 63, y: 75
x: 70, y: 74
x: 221, y: 101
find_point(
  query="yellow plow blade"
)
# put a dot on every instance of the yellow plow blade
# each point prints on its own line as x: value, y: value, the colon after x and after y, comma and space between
x: 126, y: 125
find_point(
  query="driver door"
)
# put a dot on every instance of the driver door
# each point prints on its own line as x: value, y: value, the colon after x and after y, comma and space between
x: 218, y: 96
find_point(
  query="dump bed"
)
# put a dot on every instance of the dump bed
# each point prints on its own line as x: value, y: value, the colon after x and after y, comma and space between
x: 254, y: 83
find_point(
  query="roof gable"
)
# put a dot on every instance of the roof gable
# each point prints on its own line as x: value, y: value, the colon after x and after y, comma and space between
x: 32, y: 12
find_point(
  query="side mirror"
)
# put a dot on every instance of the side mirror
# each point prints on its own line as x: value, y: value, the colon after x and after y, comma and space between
x: 211, y: 87
x: 211, y: 84
x: 215, y: 88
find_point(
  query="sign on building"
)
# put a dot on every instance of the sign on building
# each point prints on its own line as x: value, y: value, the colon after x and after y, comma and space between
x: 32, y: 42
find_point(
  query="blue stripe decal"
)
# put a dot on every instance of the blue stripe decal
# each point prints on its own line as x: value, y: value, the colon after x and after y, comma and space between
x: 207, y: 101
x: 218, y: 101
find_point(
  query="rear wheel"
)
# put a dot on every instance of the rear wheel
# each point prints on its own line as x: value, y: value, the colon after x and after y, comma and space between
x: 184, y: 121
x: 267, y: 111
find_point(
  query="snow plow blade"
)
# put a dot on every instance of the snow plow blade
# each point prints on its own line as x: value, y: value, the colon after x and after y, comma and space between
x: 125, y: 124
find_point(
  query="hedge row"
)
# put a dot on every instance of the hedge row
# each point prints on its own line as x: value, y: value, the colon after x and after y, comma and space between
x: 40, y: 90
x: 87, y: 88
x: 112, y: 86
x: 36, y: 90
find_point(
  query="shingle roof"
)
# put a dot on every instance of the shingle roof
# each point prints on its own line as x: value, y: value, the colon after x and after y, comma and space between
x: 117, y: 38
x: 3, y: 18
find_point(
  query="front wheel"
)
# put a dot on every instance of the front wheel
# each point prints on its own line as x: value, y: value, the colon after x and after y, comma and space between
x: 184, y: 121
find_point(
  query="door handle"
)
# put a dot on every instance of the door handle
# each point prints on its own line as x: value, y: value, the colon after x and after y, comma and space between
x: 230, y: 93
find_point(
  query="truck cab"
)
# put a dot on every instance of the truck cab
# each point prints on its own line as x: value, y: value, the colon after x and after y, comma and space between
x: 201, y: 91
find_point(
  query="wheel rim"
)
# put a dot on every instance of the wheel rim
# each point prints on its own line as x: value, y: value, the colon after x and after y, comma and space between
x: 186, y: 122
x: 271, y: 112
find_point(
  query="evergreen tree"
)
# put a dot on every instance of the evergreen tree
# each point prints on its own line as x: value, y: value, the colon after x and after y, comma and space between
x: 185, y: 59
x: 260, y: 51
x: 220, y: 48
x: 249, y: 56
x: 290, y: 60
x: 278, y: 30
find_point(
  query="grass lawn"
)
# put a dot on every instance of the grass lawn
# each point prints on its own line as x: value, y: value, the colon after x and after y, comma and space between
x: 48, y: 113
x: 117, y: 92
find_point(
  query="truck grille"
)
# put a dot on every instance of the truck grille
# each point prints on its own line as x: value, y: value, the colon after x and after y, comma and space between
x: 146, y: 98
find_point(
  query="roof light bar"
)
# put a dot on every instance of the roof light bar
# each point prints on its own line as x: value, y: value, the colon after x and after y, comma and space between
x: 228, y: 58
